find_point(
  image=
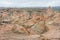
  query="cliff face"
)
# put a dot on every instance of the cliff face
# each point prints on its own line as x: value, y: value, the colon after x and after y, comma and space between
x: 45, y: 23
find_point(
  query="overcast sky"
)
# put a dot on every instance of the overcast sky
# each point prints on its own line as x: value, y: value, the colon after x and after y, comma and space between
x: 29, y: 3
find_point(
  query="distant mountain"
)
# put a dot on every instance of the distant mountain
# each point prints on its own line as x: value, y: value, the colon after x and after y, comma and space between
x: 57, y: 8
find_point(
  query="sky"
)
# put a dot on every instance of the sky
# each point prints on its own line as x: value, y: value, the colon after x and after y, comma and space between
x: 29, y: 3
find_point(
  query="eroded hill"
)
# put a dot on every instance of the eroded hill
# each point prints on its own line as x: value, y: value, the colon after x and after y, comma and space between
x: 42, y: 24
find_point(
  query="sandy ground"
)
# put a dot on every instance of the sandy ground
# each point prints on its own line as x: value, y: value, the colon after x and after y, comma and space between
x: 12, y: 36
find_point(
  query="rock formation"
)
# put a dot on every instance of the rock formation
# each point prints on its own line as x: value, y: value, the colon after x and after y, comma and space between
x: 45, y: 23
